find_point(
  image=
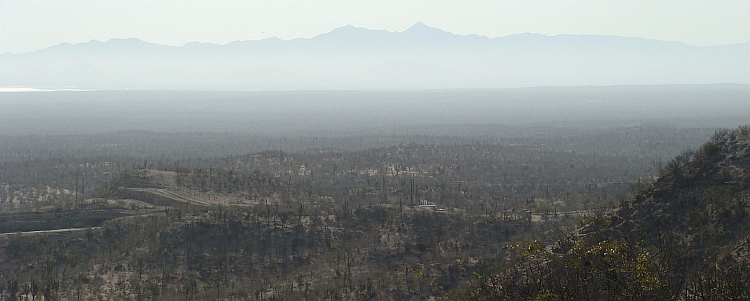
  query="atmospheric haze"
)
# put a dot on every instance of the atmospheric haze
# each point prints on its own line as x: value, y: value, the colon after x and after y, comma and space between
x: 375, y: 164
x: 352, y: 58
x: 325, y: 113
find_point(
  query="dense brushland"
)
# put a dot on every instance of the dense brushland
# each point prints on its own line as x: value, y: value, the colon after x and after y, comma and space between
x: 412, y: 210
x: 685, y: 236
x: 412, y: 221
x: 248, y: 236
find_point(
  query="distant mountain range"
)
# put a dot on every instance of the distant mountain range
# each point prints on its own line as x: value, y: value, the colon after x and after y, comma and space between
x: 352, y: 58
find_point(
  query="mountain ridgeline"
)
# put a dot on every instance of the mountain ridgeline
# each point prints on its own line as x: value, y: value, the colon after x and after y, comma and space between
x: 685, y: 236
x: 351, y: 58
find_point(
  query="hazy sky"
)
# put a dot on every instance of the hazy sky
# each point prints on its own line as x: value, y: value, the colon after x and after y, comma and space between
x: 31, y: 25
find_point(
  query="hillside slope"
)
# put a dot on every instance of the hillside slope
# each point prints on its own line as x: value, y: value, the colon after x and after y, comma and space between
x: 699, y: 202
x: 685, y: 237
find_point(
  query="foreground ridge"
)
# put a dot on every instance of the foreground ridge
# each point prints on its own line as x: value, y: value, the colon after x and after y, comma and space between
x: 685, y: 236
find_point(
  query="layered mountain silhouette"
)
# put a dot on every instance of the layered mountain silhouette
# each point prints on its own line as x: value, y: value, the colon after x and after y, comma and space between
x: 349, y: 57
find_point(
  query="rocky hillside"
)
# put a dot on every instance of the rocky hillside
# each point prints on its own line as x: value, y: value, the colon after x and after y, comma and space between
x: 685, y: 236
x: 699, y: 203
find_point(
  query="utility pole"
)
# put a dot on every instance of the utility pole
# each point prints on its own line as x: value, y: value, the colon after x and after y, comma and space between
x: 412, y: 193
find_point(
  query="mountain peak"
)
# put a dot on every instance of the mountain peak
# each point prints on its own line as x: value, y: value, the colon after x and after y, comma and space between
x: 419, y: 29
x: 348, y: 29
x: 127, y: 41
x: 418, y: 26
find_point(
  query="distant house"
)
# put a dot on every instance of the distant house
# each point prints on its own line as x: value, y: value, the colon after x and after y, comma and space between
x: 429, y: 207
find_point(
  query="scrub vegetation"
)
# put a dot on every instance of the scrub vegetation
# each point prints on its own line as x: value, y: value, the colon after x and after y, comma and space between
x: 581, y: 211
